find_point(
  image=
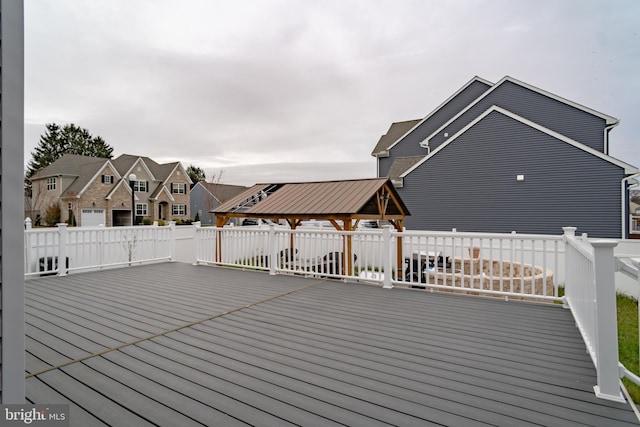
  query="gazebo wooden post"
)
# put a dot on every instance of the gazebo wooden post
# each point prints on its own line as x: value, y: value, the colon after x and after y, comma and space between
x: 348, y: 252
x: 399, y: 260
x: 220, y: 220
x: 293, y: 222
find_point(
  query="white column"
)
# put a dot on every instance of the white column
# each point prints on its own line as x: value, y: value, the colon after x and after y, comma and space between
x: 273, y: 249
x: 62, y: 250
x: 196, y: 241
x: 608, y: 374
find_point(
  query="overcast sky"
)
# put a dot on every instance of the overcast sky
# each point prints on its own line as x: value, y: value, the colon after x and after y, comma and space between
x: 274, y: 91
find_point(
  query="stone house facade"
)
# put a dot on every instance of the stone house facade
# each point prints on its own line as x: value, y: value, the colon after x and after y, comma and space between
x: 96, y: 191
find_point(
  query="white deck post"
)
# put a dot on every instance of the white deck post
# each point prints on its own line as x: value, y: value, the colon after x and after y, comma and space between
x: 62, y: 250
x: 196, y: 241
x: 272, y: 250
x: 567, y: 232
x: 608, y: 374
x: 172, y: 240
x: 386, y: 252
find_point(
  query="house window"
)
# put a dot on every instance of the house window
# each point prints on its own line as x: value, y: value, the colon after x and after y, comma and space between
x: 107, y: 179
x: 179, y: 188
x: 142, y: 209
x: 51, y: 183
x: 178, y: 209
x: 140, y: 186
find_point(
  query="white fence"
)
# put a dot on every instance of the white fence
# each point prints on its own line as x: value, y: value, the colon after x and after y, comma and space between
x: 510, y: 265
x: 84, y: 248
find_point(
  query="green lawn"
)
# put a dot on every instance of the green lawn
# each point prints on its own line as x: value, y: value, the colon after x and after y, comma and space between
x: 628, y: 340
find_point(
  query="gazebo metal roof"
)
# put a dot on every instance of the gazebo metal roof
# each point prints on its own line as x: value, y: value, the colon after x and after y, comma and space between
x: 373, y: 199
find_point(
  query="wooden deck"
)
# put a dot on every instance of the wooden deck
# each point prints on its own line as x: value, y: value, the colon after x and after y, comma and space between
x: 173, y: 344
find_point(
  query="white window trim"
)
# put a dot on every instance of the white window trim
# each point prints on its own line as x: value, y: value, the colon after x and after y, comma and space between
x: 142, y: 209
x: 179, y: 188
x: 175, y: 209
x: 137, y: 186
x: 51, y: 184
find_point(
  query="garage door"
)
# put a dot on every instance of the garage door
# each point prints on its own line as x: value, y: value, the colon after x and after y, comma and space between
x: 92, y: 217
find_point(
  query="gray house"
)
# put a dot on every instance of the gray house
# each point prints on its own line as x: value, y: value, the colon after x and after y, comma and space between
x: 508, y: 157
x: 206, y: 196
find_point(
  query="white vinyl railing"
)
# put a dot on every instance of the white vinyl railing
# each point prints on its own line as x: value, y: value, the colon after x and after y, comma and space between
x: 591, y: 296
x: 84, y: 248
x: 509, y: 265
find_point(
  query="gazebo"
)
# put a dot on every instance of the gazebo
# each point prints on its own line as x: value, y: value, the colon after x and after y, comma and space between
x: 342, y: 203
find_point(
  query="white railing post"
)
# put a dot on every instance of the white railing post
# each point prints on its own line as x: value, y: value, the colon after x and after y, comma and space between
x: 27, y: 223
x: 272, y: 257
x: 196, y: 241
x: 569, y: 231
x: 62, y: 250
x: 608, y: 374
x: 387, y: 255
x: 172, y: 241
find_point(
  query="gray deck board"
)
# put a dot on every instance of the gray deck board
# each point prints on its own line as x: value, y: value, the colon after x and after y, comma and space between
x: 240, y: 395
x: 214, y: 346
x: 82, y: 396
x: 286, y: 383
x: 40, y: 392
x: 191, y: 381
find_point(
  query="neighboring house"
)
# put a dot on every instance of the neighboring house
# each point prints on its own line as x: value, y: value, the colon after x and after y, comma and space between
x: 206, y: 196
x: 508, y: 157
x: 91, y: 191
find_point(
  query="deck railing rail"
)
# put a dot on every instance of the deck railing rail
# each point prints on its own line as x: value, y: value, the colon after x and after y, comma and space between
x: 65, y: 249
x: 591, y: 296
x: 508, y: 265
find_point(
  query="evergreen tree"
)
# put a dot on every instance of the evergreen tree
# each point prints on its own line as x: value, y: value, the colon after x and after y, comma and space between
x: 70, y: 139
x: 196, y: 174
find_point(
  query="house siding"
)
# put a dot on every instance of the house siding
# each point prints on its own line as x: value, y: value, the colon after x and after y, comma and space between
x: 43, y: 198
x: 12, y: 329
x: 471, y: 184
x: 96, y: 193
x: 548, y: 112
x: 410, y: 145
x: 202, y: 200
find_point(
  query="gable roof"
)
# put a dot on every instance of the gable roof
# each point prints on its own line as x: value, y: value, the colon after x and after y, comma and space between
x: 327, y: 198
x: 609, y: 120
x: 83, y: 168
x: 221, y: 192
x: 396, y: 130
x: 379, y: 149
x: 69, y: 165
x: 629, y: 169
x: 400, y: 165
x: 125, y: 163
